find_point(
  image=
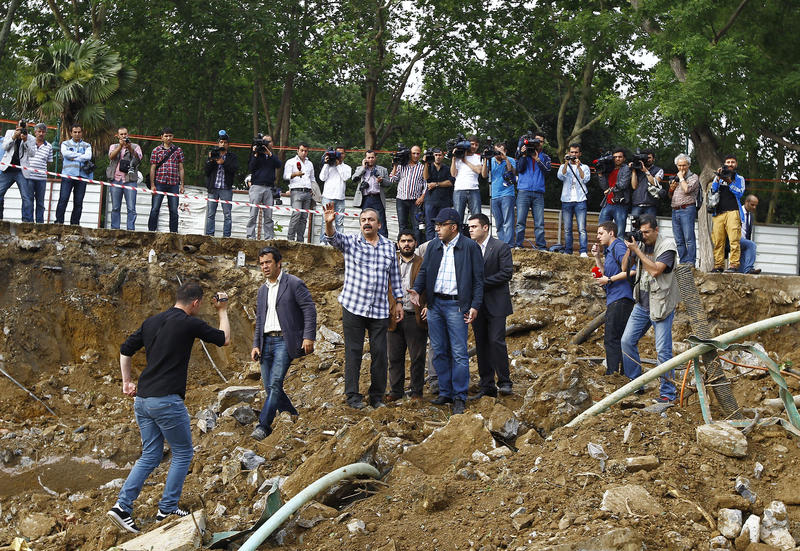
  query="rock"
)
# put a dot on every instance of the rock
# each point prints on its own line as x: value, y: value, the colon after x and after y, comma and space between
x: 434, y: 498
x: 555, y: 399
x: 641, y: 463
x: 729, y: 522
x: 389, y: 449
x: 480, y: 457
x: 355, y: 526
x: 503, y: 422
x: 248, y: 458
x: 352, y: 444
x: 619, y: 539
x: 329, y: 335
x: 790, y: 495
x: 219, y: 511
x: 177, y: 535
x: 243, y: 413
x: 255, y: 478
x: 500, y: 452
x: 629, y: 499
x: 206, y: 419
x: 719, y: 542
x: 235, y: 394
x: 313, y: 513
x: 723, y: 438
x: 519, y: 511
x: 775, y: 527
x: 536, y: 273
x: 752, y: 526
x: 459, y: 438
x: 36, y: 525
x: 632, y: 434
x: 230, y: 470
x: 520, y: 522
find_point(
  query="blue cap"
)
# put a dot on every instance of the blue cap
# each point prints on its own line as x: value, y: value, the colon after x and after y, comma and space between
x: 447, y: 215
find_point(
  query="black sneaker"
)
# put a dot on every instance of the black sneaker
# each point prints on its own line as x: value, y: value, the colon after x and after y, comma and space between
x: 122, y: 519
x: 178, y: 512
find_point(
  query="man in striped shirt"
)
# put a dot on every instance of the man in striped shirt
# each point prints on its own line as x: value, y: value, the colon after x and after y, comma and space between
x: 39, y: 154
x: 410, y: 192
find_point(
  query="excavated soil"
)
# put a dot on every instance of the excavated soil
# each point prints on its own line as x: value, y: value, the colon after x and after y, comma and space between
x: 72, y: 295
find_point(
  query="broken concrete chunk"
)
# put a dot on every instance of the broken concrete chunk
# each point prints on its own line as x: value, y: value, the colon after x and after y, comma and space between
x: 520, y: 522
x: 243, y: 413
x: 235, y: 394
x: 37, y: 525
x: 630, y: 499
x: 555, y: 399
x: 641, y: 463
x: 356, y: 525
x: 719, y: 543
x: 503, y: 422
x: 248, y: 458
x: 206, y: 419
x: 729, y: 522
x: 723, y: 438
x: 775, y: 527
x: 329, y: 335
x: 480, y: 457
x: 460, y: 437
x: 500, y: 452
x: 753, y: 527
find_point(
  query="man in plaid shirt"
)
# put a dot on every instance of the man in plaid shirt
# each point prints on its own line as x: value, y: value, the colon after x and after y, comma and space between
x: 370, y: 264
x: 166, y: 174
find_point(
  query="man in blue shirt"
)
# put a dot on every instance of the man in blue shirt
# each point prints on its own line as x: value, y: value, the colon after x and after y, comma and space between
x: 77, y: 162
x: 619, y: 293
x: 532, y: 165
x: 502, y: 170
x: 574, y: 176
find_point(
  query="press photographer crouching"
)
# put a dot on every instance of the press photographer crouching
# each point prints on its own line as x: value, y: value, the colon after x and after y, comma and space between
x: 221, y: 167
x: 262, y: 189
x: 646, y: 184
x: 656, y: 294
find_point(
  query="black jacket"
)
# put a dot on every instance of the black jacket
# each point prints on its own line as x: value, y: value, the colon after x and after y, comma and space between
x: 498, y: 267
x: 262, y: 169
x: 231, y: 167
x: 469, y: 272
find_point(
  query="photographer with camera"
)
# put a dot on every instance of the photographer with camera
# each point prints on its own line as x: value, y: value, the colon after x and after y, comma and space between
x: 438, y: 189
x: 166, y: 174
x: 532, y: 165
x: 220, y: 169
x: 646, y: 184
x: 124, y: 158
x: 299, y: 171
x: 728, y: 214
x: 335, y: 174
x: 503, y: 171
x: 77, y: 162
x: 262, y: 165
x: 683, y: 188
x: 40, y: 153
x: 615, y: 181
x: 574, y: 176
x: 466, y: 167
x: 407, y: 174
x: 16, y: 148
x: 371, y: 179
x: 656, y: 294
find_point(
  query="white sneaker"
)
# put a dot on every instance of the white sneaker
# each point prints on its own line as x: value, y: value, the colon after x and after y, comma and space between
x: 584, y: 255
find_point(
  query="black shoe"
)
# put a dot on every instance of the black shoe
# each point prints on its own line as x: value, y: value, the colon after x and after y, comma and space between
x: 434, y: 388
x: 122, y: 519
x: 754, y: 271
x: 717, y: 271
x: 458, y: 406
x: 481, y: 393
x: 377, y: 404
x: 441, y: 400
x: 178, y: 512
x: 259, y: 433
x: 392, y: 397
x: 356, y: 404
x: 732, y: 270
x: 506, y: 390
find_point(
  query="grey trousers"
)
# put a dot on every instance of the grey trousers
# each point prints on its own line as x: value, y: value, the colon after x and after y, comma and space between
x: 297, y: 223
x: 260, y: 195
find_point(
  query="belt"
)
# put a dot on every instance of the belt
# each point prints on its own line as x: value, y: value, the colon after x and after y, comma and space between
x: 371, y: 194
x: 273, y: 333
x: 306, y: 189
x: 261, y: 184
x: 683, y: 206
x: 445, y: 297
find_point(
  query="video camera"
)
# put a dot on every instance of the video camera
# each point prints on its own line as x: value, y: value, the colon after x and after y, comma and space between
x: 725, y: 175
x: 332, y: 155
x: 640, y: 158
x: 261, y: 144
x: 402, y: 156
x: 215, y: 153
x: 488, y: 150
x: 429, y: 156
x: 635, y: 233
x: 531, y: 143
x: 458, y: 146
x: 604, y: 163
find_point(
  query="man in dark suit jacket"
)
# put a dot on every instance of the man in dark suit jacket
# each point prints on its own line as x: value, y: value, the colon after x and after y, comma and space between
x: 286, y: 324
x: 746, y: 243
x: 490, y: 325
x: 451, y: 277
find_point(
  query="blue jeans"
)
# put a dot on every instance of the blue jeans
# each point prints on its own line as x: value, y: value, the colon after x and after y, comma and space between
x: 274, y: 365
x: 503, y: 213
x: 464, y: 197
x: 408, y: 208
x: 77, y: 189
x: 638, y: 324
x: 530, y: 201
x: 637, y: 211
x: 130, y: 204
x: 338, y: 206
x: 747, y: 258
x: 10, y: 176
x: 159, y: 418
x: 448, y: 334
x: 683, y: 231
x: 39, y: 188
x: 172, y: 205
x: 211, y: 216
x: 616, y: 214
x: 374, y: 202
x: 431, y: 210
x: 579, y: 210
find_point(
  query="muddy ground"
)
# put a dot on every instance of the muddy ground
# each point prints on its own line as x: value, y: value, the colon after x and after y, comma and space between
x: 72, y: 295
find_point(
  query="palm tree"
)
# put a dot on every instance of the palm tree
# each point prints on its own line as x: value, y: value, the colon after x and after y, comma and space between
x: 73, y: 81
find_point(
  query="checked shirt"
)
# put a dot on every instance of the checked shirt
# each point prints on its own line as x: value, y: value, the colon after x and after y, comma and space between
x: 168, y: 172
x: 367, y: 272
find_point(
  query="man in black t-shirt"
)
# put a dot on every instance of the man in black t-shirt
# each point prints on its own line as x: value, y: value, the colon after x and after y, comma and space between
x: 438, y: 193
x: 158, y: 405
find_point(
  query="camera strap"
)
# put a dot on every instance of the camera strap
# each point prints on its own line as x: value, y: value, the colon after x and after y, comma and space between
x: 585, y: 193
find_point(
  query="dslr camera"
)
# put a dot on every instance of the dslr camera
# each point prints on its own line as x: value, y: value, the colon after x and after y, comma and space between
x: 604, y: 163
x: 458, y: 146
x: 261, y: 144
x: 569, y: 158
x: 531, y: 143
x: 24, y: 128
x: 725, y: 175
x: 332, y: 155
x: 88, y: 166
x: 215, y: 153
x: 402, y: 156
x: 635, y: 233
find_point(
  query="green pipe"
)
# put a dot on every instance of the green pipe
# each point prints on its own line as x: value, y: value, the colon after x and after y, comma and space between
x: 300, y: 499
x: 694, y: 352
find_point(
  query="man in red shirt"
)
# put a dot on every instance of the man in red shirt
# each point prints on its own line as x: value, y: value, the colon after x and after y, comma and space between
x: 616, y: 186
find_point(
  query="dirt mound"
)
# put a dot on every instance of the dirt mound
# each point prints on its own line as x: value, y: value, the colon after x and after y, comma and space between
x: 466, y: 482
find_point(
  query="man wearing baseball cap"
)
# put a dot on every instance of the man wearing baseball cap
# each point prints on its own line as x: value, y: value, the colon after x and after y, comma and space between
x: 451, y: 277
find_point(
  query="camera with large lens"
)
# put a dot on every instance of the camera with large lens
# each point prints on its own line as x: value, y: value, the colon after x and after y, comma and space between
x: 429, y: 156
x: 458, y: 146
x: 635, y: 233
x: 604, y: 163
x: 402, y: 156
x: 489, y: 150
x: 640, y: 158
x: 215, y: 153
x: 88, y: 166
x: 261, y: 145
x: 570, y: 158
x: 725, y: 175
x: 23, y: 127
x: 531, y: 143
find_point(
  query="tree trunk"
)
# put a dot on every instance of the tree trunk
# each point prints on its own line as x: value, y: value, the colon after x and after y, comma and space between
x: 12, y: 8
x: 285, y: 109
x: 708, y: 161
x: 776, y: 185
x: 373, y: 80
x: 255, y: 107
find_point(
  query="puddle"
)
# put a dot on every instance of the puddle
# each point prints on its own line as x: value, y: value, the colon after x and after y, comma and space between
x: 60, y: 474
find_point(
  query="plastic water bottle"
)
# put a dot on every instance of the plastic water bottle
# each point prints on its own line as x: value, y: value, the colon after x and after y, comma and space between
x: 151, y: 257
x: 240, y: 259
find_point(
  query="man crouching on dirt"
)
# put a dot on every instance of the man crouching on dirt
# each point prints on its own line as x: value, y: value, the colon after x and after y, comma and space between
x: 158, y: 405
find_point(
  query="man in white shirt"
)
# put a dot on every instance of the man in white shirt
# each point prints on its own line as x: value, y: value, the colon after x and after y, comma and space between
x: 299, y: 172
x: 335, y: 174
x: 574, y: 176
x: 466, y: 171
